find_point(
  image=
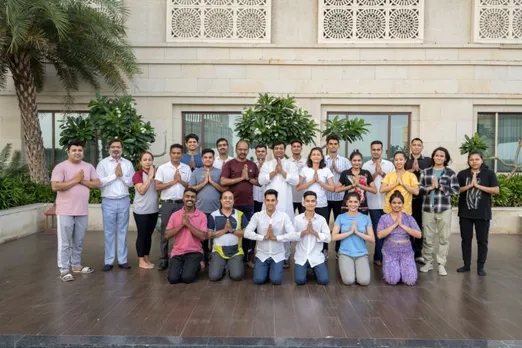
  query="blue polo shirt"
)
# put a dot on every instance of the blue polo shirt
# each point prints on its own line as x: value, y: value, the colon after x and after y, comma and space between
x: 197, y: 158
x: 353, y: 245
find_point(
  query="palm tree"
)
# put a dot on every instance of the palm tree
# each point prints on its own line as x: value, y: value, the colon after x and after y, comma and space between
x: 82, y: 40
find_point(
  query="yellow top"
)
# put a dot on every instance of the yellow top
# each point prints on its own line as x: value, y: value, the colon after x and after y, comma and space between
x: 409, y: 179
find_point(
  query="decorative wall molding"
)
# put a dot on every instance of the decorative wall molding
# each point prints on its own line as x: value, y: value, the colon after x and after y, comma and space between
x: 228, y: 21
x: 498, y: 21
x: 371, y: 21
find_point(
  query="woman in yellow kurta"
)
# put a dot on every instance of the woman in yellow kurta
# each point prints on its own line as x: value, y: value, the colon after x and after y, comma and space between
x: 400, y: 180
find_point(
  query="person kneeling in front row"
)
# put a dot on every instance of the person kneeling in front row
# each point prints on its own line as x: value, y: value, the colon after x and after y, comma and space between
x: 189, y: 226
x: 273, y: 228
x: 225, y: 227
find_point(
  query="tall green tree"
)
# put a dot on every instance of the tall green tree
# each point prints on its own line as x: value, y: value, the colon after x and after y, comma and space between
x: 82, y: 40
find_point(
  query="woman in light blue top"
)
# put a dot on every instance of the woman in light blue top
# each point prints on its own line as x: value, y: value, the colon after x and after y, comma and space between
x: 353, y: 229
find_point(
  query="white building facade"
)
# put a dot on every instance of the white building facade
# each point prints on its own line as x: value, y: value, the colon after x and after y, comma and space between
x: 433, y: 69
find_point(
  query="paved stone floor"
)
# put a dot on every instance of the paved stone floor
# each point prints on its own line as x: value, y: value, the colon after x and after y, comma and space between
x: 138, y: 307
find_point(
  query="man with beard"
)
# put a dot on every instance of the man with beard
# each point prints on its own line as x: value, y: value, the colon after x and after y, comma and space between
x: 115, y: 173
x: 222, y: 157
x: 189, y: 227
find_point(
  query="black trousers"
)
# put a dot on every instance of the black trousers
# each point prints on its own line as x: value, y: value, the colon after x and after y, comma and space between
x: 299, y: 208
x: 466, y: 233
x: 416, y: 243
x: 166, y: 210
x: 184, y: 268
x: 334, y: 206
x: 145, y: 223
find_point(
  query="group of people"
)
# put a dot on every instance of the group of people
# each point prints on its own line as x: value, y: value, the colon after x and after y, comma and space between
x: 226, y: 213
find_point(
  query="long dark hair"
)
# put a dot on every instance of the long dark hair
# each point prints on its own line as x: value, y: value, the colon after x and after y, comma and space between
x: 356, y: 153
x: 322, y: 164
x: 446, y: 154
x: 476, y: 152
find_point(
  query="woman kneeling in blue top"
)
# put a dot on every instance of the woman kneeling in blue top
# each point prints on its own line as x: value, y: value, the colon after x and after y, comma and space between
x: 353, y: 229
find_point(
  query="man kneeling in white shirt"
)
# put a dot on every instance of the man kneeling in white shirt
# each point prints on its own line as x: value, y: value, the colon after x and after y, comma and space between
x: 311, y: 232
x: 273, y: 228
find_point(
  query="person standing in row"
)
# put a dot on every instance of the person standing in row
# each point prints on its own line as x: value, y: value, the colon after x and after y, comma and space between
x: 296, y: 147
x: 415, y: 164
x: 477, y: 184
x: 280, y: 175
x: 223, y: 157
x: 259, y: 192
x: 172, y: 178
x: 72, y: 179
x: 379, y: 168
x: 145, y: 208
x: 438, y: 183
x: 206, y: 181
x: 240, y: 175
x: 115, y: 173
x: 337, y: 164
x: 192, y: 158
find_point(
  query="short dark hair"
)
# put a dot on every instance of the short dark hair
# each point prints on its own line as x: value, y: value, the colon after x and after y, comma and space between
x: 277, y: 143
x: 75, y: 143
x: 309, y: 193
x: 397, y: 194
x: 332, y: 137
x: 115, y: 140
x: 241, y: 141
x: 220, y: 140
x: 191, y: 136
x: 222, y: 193
x: 190, y: 189
x: 416, y: 139
x: 146, y: 153
x: 376, y: 142
x: 261, y: 146
x: 322, y: 164
x: 355, y: 153
x: 296, y: 141
x: 176, y: 146
x: 447, y: 160
x: 479, y: 153
x: 207, y: 151
x: 353, y: 194
x: 271, y: 192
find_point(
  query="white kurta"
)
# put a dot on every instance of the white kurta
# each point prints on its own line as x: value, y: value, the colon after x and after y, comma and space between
x: 280, y: 184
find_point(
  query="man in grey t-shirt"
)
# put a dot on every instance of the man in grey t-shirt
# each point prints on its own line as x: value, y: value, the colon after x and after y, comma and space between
x: 206, y: 181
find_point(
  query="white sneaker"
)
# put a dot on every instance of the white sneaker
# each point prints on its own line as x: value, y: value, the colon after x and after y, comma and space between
x: 420, y: 259
x: 442, y: 271
x: 426, y: 268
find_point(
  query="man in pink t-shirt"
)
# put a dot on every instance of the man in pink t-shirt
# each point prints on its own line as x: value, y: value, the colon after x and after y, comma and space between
x: 72, y: 179
x: 189, y: 226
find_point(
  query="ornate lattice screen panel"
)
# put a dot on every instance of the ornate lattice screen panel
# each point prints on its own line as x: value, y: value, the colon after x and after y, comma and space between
x: 498, y: 21
x: 342, y: 21
x: 231, y: 21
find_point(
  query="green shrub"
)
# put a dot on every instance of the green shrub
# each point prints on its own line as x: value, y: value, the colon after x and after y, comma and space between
x: 510, y: 195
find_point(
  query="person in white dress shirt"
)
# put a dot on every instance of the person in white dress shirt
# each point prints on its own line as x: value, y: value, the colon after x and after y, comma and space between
x: 296, y: 147
x: 172, y: 178
x: 115, y: 173
x: 269, y: 228
x: 281, y: 174
x: 311, y: 232
x: 222, y: 157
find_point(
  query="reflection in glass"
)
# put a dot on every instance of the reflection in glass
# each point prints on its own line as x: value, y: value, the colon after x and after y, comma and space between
x: 509, y: 132
x: 377, y: 130
x: 399, y: 138
x: 486, y: 129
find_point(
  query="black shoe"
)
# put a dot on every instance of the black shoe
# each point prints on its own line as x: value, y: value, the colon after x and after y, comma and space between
x: 481, y: 272
x: 163, y: 266
x: 286, y: 264
x: 124, y: 266
x: 107, y: 268
x: 463, y: 269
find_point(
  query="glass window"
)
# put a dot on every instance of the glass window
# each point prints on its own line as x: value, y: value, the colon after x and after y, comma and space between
x: 502, y: 132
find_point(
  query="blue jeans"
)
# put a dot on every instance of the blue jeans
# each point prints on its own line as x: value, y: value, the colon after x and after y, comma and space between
x: 320, y: 271
x: 115, y: 213
x: 375, y: 215
x: 262, y: 269
x: 247, y: 244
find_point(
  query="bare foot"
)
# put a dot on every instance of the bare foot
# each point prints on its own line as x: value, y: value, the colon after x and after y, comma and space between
x: 202, y: 264
x: 146, y: 258
x: 145, y: 265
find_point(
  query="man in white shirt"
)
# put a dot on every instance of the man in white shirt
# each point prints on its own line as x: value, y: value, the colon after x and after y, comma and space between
x: 311, y: 232
x: 222, y: 157
x: 115, y: 173
x: 259, y: 191
x: 269, y: 228
x: 172, y: 178
x: 281, y: 174
x: 378, y: 167
x: 300, y: 161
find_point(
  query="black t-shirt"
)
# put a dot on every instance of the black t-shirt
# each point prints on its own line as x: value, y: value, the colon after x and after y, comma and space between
x: 475, y: 203
x: 424, y: 163
x: 365, y: 179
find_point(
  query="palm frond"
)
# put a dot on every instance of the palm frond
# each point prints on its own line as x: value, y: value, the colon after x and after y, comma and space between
x: 4, y: 155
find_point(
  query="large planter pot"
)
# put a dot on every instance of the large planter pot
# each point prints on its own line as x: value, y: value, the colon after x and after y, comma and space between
x: 504, y: 221
x: 22, y: 221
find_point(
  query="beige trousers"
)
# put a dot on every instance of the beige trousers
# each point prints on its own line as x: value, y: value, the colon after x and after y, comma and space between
x: 436, y: 224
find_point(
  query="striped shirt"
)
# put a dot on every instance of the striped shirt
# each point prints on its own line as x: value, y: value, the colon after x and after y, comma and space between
x: 342, y: 164
x: 448, y: 186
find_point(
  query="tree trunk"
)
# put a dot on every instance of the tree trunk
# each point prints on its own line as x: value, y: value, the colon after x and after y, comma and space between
x: 26, y: 92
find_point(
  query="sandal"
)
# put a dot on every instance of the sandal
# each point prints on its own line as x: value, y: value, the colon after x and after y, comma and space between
x: 84, y: 270
x: 66, y: 277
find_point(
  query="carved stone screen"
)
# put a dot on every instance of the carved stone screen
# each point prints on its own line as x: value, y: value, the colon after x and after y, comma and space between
x: 346, y: 21
x: 234, y: 21
x: 498, y: 21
